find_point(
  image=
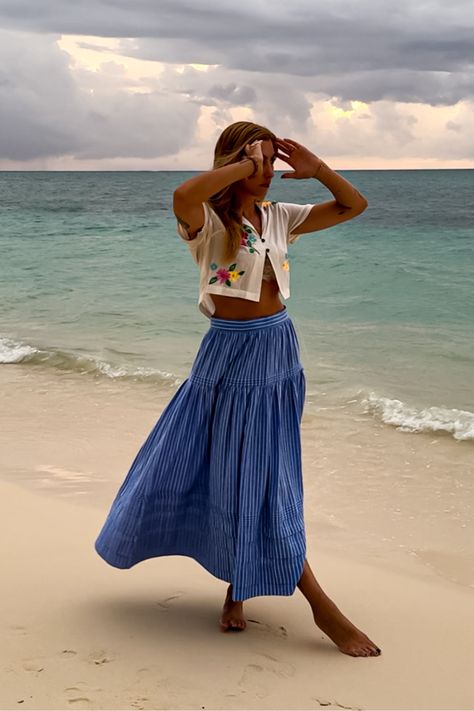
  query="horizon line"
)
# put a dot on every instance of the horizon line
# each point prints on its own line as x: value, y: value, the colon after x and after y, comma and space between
x: 185, y: 170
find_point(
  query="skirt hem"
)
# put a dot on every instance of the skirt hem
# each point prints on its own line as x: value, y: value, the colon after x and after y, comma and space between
x: 239, y: 595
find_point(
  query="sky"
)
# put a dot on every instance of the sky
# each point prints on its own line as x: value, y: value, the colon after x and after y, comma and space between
x: 150, y: 84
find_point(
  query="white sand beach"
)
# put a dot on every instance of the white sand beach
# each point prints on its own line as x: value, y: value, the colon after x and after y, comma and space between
x: 79, y: 634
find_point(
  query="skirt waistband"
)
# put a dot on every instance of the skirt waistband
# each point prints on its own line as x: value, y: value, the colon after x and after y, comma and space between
x: 230, y: 324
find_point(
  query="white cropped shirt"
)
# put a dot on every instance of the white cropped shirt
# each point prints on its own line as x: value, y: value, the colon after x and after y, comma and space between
x: 242, y: 277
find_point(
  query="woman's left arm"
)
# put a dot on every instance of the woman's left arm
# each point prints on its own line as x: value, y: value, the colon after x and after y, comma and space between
x: 348, y: 202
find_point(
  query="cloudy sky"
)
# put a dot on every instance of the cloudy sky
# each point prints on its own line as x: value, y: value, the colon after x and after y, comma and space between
x: 149, y: 84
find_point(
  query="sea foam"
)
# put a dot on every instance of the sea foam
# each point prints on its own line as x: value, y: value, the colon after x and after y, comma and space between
x: 12, y: 351
x: 458, y: 423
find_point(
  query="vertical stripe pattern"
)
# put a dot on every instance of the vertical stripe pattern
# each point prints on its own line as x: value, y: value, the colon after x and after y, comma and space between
x: 219, y: 477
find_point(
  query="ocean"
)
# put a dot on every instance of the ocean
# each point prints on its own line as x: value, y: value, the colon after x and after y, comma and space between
x: 95, y: 280
x: 98, y: 314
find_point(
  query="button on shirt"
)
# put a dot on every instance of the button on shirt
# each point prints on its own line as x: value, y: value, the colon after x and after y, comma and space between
x: 242, y: 276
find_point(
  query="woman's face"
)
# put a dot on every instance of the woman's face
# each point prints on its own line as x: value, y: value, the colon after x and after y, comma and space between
x: 258, y: 186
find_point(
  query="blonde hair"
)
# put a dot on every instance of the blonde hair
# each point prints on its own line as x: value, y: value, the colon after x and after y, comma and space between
x: 230, y: 148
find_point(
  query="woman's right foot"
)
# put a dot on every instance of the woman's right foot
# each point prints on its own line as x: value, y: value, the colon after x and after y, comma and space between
x: 232, y: 618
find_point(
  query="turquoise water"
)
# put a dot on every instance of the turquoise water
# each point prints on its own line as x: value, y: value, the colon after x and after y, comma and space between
x: 94, y: 279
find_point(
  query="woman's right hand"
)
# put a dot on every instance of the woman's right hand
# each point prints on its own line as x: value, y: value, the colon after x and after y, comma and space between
x: 188, y: 198
x: 254, y: 151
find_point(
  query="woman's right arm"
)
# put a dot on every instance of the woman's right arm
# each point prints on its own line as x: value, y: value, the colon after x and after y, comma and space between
x: 190, y: 195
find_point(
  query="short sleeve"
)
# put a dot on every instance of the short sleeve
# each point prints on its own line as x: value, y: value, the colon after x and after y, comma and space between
x: 294, y: 215
x: 205, y: 230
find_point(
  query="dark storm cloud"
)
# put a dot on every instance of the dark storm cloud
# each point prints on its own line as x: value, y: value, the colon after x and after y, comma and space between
x: 34, y: 123
x: 275, y: 58
x: 367, y: 50
x: 45, y: 112
x: 233, y: 94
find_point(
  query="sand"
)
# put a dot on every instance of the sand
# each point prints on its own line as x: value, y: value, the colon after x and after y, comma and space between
x: 79, y: 634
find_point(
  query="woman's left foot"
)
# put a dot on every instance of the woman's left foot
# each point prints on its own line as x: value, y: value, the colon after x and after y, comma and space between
x: 343, y: 633
x: 232, y: 618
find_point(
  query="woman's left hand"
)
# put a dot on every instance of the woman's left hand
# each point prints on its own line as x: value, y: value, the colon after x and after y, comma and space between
x: 304, y: 163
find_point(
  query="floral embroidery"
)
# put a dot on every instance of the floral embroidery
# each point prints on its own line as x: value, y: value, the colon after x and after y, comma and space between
x: 223, y: 275
x: 267, y: 203
x: 247, y: 239
x: 286, y: 265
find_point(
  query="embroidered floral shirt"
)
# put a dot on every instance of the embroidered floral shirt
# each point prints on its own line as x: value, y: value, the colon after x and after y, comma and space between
x: 242, y: 277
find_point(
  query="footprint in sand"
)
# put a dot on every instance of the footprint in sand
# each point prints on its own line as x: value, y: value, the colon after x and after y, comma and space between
x: 279, y: 668
x: 32, y: 666
x: 76, y: 694
x: 279, y: 631
x: 166, y: 603
x: 251, y: 681
x: 68, y: 653
x: 335, y: 705
x: 99, y: 657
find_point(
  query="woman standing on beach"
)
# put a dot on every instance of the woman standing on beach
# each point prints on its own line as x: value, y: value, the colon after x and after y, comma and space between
x: 219, y: 477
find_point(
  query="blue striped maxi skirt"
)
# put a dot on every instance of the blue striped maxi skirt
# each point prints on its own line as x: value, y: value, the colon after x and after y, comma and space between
x: 219, y: 478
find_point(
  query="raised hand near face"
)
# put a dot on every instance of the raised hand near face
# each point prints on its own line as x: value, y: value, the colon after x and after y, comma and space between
x: 254, y: 151
x: 305, y: 164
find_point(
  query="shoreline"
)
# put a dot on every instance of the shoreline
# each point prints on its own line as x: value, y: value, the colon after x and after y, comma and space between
x: 415, y: 405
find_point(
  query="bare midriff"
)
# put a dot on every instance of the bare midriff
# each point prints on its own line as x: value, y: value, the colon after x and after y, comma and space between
x: 234, y: 308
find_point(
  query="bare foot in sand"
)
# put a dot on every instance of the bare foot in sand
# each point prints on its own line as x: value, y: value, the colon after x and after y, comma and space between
x: 343, y: 633
x: 332, y: 622
x: 232, y: 618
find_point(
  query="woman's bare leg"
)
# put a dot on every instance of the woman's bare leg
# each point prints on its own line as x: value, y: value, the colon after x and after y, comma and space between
x: 232, y: 617
x: 332, y: 622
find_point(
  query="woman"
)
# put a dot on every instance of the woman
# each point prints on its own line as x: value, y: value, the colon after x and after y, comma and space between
x: 219, y: 477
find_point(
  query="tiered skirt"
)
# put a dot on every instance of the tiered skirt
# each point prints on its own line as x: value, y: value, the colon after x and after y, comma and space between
x: 219, y: 477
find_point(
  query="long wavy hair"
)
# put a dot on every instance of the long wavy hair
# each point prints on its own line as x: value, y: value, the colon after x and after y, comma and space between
x: 230, y: 148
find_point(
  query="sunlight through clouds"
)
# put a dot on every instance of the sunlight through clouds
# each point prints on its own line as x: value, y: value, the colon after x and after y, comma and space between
x: 373, y: 88
x: 92, y: 52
